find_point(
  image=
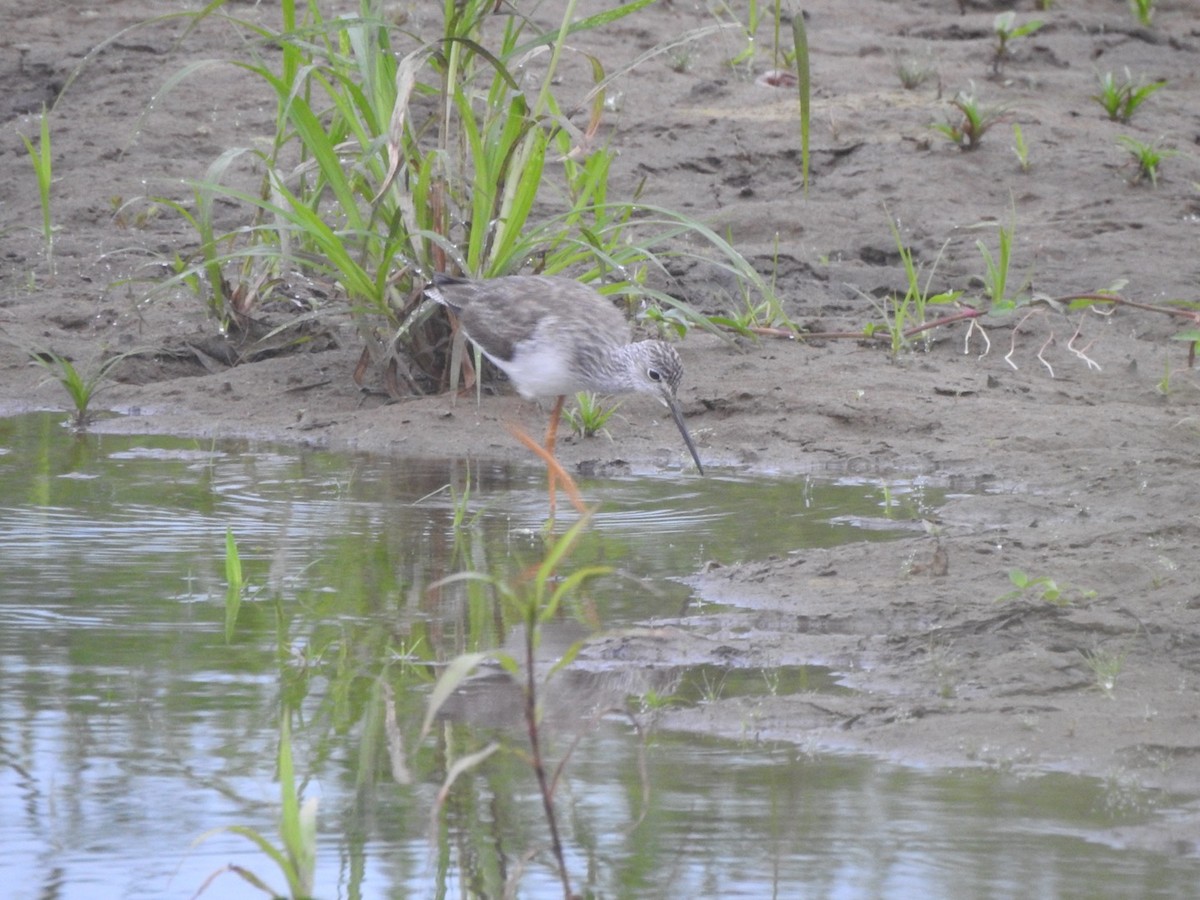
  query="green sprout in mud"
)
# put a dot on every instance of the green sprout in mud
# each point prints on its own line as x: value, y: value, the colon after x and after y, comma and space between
x: 973, y: 122
x: 39, y: 155
x: 995, y: 276
x: 682, y: 59
x: 913, y: 71
x: 711, y: 689
x: 903, y: 313
x: 652, y: 701
x: 1147, y: 156
x: 1006, y: 30
x: 1163, y: 385
x: 1106, y: 665
x: 1020, y: 148
x: 998, y: 281
x: 1191, y: 336
x: 1120, y: 100
x: 1042, y: 588
x: 756, y: 12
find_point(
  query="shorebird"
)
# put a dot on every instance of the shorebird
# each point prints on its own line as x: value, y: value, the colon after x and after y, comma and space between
x: 554, y: 336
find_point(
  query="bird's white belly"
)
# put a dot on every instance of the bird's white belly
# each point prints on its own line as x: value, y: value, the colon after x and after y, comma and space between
x: 544, y: 372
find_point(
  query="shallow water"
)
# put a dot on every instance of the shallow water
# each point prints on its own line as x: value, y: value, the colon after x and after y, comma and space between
x: 137, y: 713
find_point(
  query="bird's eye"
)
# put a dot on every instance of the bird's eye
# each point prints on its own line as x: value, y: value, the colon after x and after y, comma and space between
x: 654, y: 374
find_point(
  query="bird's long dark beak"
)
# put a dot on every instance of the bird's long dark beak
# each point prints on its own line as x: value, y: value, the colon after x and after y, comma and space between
x: 677, y: 415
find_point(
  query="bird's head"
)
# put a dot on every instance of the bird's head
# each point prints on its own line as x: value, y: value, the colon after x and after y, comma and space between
x: 658, y: 373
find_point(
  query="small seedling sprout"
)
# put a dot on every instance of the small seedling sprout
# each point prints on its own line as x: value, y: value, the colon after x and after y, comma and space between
x: 1020, y: 148
x: 913, y: 71
x: 1044, y: 588
x: 1143, y: 11
x: 1148, y: 156
x: 1006, y: 30
x: 42, y: 161
x: 590, y: 415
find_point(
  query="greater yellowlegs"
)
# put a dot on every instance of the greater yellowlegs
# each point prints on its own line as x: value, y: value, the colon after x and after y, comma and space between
x: 554, y: 336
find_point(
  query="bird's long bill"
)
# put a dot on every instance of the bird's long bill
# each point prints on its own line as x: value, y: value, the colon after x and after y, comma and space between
x: 677, y: 415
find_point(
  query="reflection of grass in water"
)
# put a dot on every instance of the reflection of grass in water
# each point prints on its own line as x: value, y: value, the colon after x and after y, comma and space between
x: 530, y: 602
x: 296, y: 857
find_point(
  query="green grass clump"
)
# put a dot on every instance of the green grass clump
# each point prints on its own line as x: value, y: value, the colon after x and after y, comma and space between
x: 398, y: 154
x: 913, y: 71
x: 907, y: 314
x: 82, y: 389
x: 1120, y: 100
x: 1105, y: 665
x: 590, y: 414
x: 1003, y: 292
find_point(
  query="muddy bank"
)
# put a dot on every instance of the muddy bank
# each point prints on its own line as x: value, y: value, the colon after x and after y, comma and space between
x: 1076, y: 432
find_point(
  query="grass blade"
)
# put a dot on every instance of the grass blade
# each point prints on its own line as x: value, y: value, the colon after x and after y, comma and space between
x: 804, y: 87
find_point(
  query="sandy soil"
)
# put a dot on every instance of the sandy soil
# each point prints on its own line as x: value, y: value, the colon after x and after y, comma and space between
x: 1086, y: 466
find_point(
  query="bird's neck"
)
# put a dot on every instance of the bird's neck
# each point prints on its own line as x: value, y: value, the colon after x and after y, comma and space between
x: 613, y: 368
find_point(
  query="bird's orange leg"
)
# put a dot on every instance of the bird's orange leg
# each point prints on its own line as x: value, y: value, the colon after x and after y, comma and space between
x: 552, y: 466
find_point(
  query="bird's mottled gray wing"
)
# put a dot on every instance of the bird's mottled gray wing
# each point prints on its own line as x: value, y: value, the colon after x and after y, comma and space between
x: 499, y: 313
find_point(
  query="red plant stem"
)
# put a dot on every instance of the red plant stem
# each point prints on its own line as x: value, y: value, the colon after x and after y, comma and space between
x: 969, y: 312
x: 1118, y: 300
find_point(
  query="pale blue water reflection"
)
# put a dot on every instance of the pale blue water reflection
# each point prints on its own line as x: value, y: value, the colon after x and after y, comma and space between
x: 129, y: 726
